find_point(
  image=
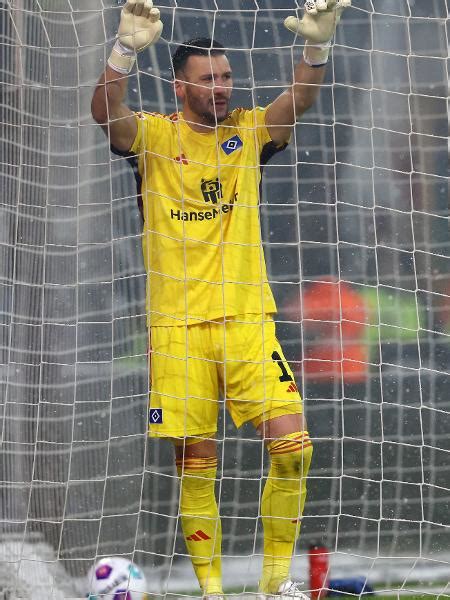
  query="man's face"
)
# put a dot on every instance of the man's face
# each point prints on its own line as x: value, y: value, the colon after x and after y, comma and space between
x: 205, y: 86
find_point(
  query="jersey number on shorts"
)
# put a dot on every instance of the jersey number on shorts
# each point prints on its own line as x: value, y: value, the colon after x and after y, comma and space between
x: 284, y: 372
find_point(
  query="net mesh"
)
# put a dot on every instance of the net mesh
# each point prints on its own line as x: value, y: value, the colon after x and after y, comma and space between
x: 358, y: 203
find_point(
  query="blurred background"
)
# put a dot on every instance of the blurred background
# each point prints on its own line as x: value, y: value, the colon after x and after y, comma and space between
x: 356, y: 233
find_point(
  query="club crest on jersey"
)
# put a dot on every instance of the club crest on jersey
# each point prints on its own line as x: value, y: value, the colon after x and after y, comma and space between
x: 234, y: 143
x: 155, y: 416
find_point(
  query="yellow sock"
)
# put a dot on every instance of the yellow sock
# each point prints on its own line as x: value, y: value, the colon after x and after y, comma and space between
x: 282, y: 506
x: 200, y: 520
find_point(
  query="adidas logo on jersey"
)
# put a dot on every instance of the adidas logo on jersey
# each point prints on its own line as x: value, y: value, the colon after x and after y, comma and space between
x: 181, y: 159
x: 198, y: 536
x: 292, y: 388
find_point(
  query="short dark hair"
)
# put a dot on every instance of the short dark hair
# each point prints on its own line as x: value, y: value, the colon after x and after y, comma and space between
x: 195, y: 47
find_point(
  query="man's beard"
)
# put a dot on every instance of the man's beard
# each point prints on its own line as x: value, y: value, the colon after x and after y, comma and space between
x: 208, y: 117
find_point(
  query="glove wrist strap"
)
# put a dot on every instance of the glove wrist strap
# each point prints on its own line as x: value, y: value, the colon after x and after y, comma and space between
x: 121, y: 58
x: 316, y: 55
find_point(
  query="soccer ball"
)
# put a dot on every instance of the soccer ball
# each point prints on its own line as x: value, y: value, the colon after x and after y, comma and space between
x: 116, y: 578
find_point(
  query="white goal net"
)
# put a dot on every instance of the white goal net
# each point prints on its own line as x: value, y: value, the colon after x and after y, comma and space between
x: 356, y: 207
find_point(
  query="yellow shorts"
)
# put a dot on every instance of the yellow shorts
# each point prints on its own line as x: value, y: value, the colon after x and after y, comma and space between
x: 192, y: 368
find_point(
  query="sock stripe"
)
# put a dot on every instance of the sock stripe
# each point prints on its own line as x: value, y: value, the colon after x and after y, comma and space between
x: 295, y: 440
x: 292, y: 448
x: 281, y: 443
x: 197, y: 464
x: 291, y: 443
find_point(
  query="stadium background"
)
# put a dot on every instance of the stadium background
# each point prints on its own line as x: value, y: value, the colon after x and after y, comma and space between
x: 341, y: 201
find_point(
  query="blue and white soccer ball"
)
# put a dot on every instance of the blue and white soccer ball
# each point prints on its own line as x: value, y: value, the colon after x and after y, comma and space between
x: 116, y: 578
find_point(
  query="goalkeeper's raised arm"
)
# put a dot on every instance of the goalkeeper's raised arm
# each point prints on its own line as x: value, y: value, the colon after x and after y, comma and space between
x: 140, y: 26
x: 317, y: 27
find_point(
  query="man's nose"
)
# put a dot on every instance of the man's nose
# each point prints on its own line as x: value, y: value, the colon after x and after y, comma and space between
x: 220, y: 85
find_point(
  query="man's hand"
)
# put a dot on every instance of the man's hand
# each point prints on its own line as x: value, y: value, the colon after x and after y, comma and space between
x: 319, y: 21
x: 140, y: 27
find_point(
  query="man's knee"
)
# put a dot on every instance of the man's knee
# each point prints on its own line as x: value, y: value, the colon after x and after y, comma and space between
x: 280, y: 426
x: 204, y: 446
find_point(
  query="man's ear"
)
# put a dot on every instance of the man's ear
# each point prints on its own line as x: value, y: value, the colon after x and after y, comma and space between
x: 179, y: 87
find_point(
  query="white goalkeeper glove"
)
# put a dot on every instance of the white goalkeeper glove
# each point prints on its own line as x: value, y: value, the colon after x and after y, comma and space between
x: 317, y: 27
x: 140, y: 27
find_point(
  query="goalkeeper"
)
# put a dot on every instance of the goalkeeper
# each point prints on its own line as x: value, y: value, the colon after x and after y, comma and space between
x: 209, y: 305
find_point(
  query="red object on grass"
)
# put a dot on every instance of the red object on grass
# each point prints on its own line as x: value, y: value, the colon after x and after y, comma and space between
x: 318, y: 571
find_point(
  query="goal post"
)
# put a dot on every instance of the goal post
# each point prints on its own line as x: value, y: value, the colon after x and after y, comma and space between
x: 354, y: 211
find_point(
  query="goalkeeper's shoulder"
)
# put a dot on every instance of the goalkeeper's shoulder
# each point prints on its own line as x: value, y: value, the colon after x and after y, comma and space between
x: 242, y: 115
x: 150, y: 115
x: 158, y: 123
x: 152, y: 127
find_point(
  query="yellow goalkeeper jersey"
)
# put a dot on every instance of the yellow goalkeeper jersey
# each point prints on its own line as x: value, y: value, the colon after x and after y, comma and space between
x: 201, y: 238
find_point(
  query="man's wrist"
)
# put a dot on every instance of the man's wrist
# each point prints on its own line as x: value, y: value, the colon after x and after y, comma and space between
x: 316, y: 55
x: 121, y: 58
